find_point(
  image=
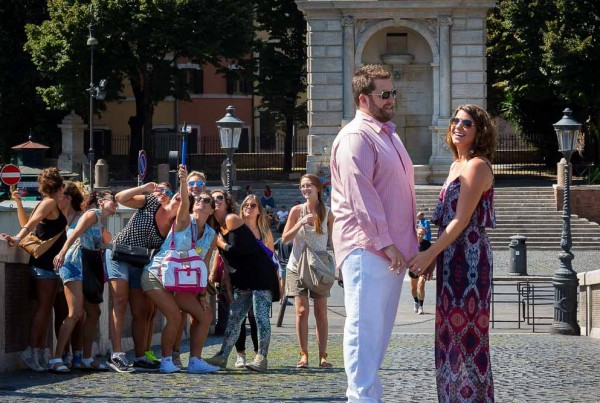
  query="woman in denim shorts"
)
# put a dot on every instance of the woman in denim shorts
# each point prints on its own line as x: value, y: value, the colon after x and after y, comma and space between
x: 46, y: 221
x: 69, y: 261
x: 147, y: 228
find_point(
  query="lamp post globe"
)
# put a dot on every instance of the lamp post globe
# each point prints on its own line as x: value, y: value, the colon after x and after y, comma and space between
x: 565, y: 280
x: 230, y: 130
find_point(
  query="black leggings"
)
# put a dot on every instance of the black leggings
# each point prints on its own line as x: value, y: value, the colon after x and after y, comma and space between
x: 240, y: 344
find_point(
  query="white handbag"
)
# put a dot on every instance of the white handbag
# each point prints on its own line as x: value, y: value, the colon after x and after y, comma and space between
x: 183, y: 271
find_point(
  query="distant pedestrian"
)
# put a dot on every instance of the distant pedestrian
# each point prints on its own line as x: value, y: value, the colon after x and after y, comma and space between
x: 464, y: 261
x: 422, y: 222
x: 373, y: 202
x: 417, y: 283
x: 267, y: 197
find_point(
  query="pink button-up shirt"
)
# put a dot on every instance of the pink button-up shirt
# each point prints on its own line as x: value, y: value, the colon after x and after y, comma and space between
x: 373, y: 190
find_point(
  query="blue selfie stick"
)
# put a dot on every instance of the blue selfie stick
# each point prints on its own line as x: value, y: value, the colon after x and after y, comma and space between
x: 184, y: 143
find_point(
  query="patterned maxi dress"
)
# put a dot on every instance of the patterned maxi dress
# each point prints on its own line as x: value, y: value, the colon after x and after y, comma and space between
x: 464, y: 286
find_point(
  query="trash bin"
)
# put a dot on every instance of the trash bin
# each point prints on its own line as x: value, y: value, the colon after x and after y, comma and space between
x: 518, y: 256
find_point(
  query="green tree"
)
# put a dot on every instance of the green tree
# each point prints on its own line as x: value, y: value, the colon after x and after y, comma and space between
x: 543, y: 55
x: 21, y: 109
x: 281, y: 78
x: 138, y: 41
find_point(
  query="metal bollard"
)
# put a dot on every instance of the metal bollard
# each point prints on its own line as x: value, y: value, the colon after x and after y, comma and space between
x: 518, y: 256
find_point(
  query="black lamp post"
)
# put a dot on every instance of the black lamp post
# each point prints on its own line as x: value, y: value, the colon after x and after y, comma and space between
x: 98, y: 93
x: 230, y: 130
x: 565, y: 279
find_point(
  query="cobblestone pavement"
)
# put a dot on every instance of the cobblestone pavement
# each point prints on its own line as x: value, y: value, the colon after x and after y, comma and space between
x: 527, y: 368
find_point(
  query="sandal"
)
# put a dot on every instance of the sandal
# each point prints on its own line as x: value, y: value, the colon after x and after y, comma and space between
x: 303, y: 363
x: 57, y: 366
x: 92, y: 366
x: 323, y: 361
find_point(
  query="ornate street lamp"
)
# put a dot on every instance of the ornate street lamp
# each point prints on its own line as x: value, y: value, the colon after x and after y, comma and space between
x: 98, y: 93
x: 230, y: 130
x: 565, y: 279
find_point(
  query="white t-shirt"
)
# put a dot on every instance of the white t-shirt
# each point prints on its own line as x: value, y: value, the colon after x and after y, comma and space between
x: 282, y: 215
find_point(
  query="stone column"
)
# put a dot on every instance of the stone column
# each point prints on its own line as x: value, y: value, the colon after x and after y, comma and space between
x: 349, y: 50
x: 72, y: 158
x: 325, y: 91
x: 444, y: 23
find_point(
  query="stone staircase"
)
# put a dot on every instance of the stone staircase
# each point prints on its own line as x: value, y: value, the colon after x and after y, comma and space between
x: 528, y: 211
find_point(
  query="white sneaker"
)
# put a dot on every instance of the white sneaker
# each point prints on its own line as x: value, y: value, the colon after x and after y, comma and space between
x: 240, y: 362
x: 416, y: 307
x: 420, y: 311
x: 29, y: 357
x: 167, y: 366
x: 199, y: 366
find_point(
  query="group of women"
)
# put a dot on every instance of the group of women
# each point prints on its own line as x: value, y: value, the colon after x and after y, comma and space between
x: 241, y: 242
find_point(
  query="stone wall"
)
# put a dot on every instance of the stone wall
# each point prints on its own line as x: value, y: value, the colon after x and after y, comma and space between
x: 589, y: 303
x: 17, y: 303
x: 584, y: 201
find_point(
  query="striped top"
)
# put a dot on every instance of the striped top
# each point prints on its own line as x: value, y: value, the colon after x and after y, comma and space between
x: 373, y: 190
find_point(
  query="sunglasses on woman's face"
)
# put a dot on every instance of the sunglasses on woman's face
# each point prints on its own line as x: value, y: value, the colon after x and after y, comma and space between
x: 467, y: 123
x: 205, y: 200
x: 251, y: 205
x: 219, y: 197
x: 197, y: 184
x: 165, y: 191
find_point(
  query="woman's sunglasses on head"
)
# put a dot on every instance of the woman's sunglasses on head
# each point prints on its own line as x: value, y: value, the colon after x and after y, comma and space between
x: 197, y: 184
x: 386, y: 94
x: 467, y: 123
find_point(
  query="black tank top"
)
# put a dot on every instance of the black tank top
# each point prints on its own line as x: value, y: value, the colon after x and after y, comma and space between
x: 46, y: 230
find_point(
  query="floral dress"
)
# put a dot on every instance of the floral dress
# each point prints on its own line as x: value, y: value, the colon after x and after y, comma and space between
x: 464, y: 287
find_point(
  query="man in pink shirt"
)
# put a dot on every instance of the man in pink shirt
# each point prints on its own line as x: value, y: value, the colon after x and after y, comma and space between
x: 373, y: 201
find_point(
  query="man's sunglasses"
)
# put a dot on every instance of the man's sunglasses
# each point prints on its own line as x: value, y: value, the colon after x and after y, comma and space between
x: 206, y: 200
x: 219, y: 197
x: 386, y: 94
x: 198, y: 184
x: 467, y: 123
x: 165, y: 191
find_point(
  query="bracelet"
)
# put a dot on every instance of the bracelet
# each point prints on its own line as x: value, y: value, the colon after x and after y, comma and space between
x: 17, y: 239
x: 27, y: 228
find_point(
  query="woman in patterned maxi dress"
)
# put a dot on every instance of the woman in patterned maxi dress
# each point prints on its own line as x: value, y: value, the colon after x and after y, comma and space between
x: 464, y: 261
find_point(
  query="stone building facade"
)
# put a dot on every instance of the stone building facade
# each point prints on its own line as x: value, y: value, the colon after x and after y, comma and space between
x: 435, y: 51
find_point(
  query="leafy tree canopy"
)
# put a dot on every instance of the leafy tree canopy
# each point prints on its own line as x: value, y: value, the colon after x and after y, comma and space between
x: 281, y: 77
x: 137, y: 41
x: 543, y: 55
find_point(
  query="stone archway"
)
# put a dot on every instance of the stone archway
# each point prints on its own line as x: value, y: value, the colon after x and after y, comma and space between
x: 413, y: 68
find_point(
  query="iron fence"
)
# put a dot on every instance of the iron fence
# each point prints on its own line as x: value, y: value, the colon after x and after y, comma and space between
x: 261, y: 159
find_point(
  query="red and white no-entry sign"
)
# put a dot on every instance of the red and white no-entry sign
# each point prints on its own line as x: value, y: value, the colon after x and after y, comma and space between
x: 10, y: 174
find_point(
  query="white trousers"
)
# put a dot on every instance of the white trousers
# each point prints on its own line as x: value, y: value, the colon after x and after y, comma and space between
x: 371, y: 296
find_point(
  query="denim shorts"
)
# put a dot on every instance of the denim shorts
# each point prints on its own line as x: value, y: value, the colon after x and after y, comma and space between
x: 70, y: 273
x: 42, y: 274
x: 123, y: 271
x: 150, y: 282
